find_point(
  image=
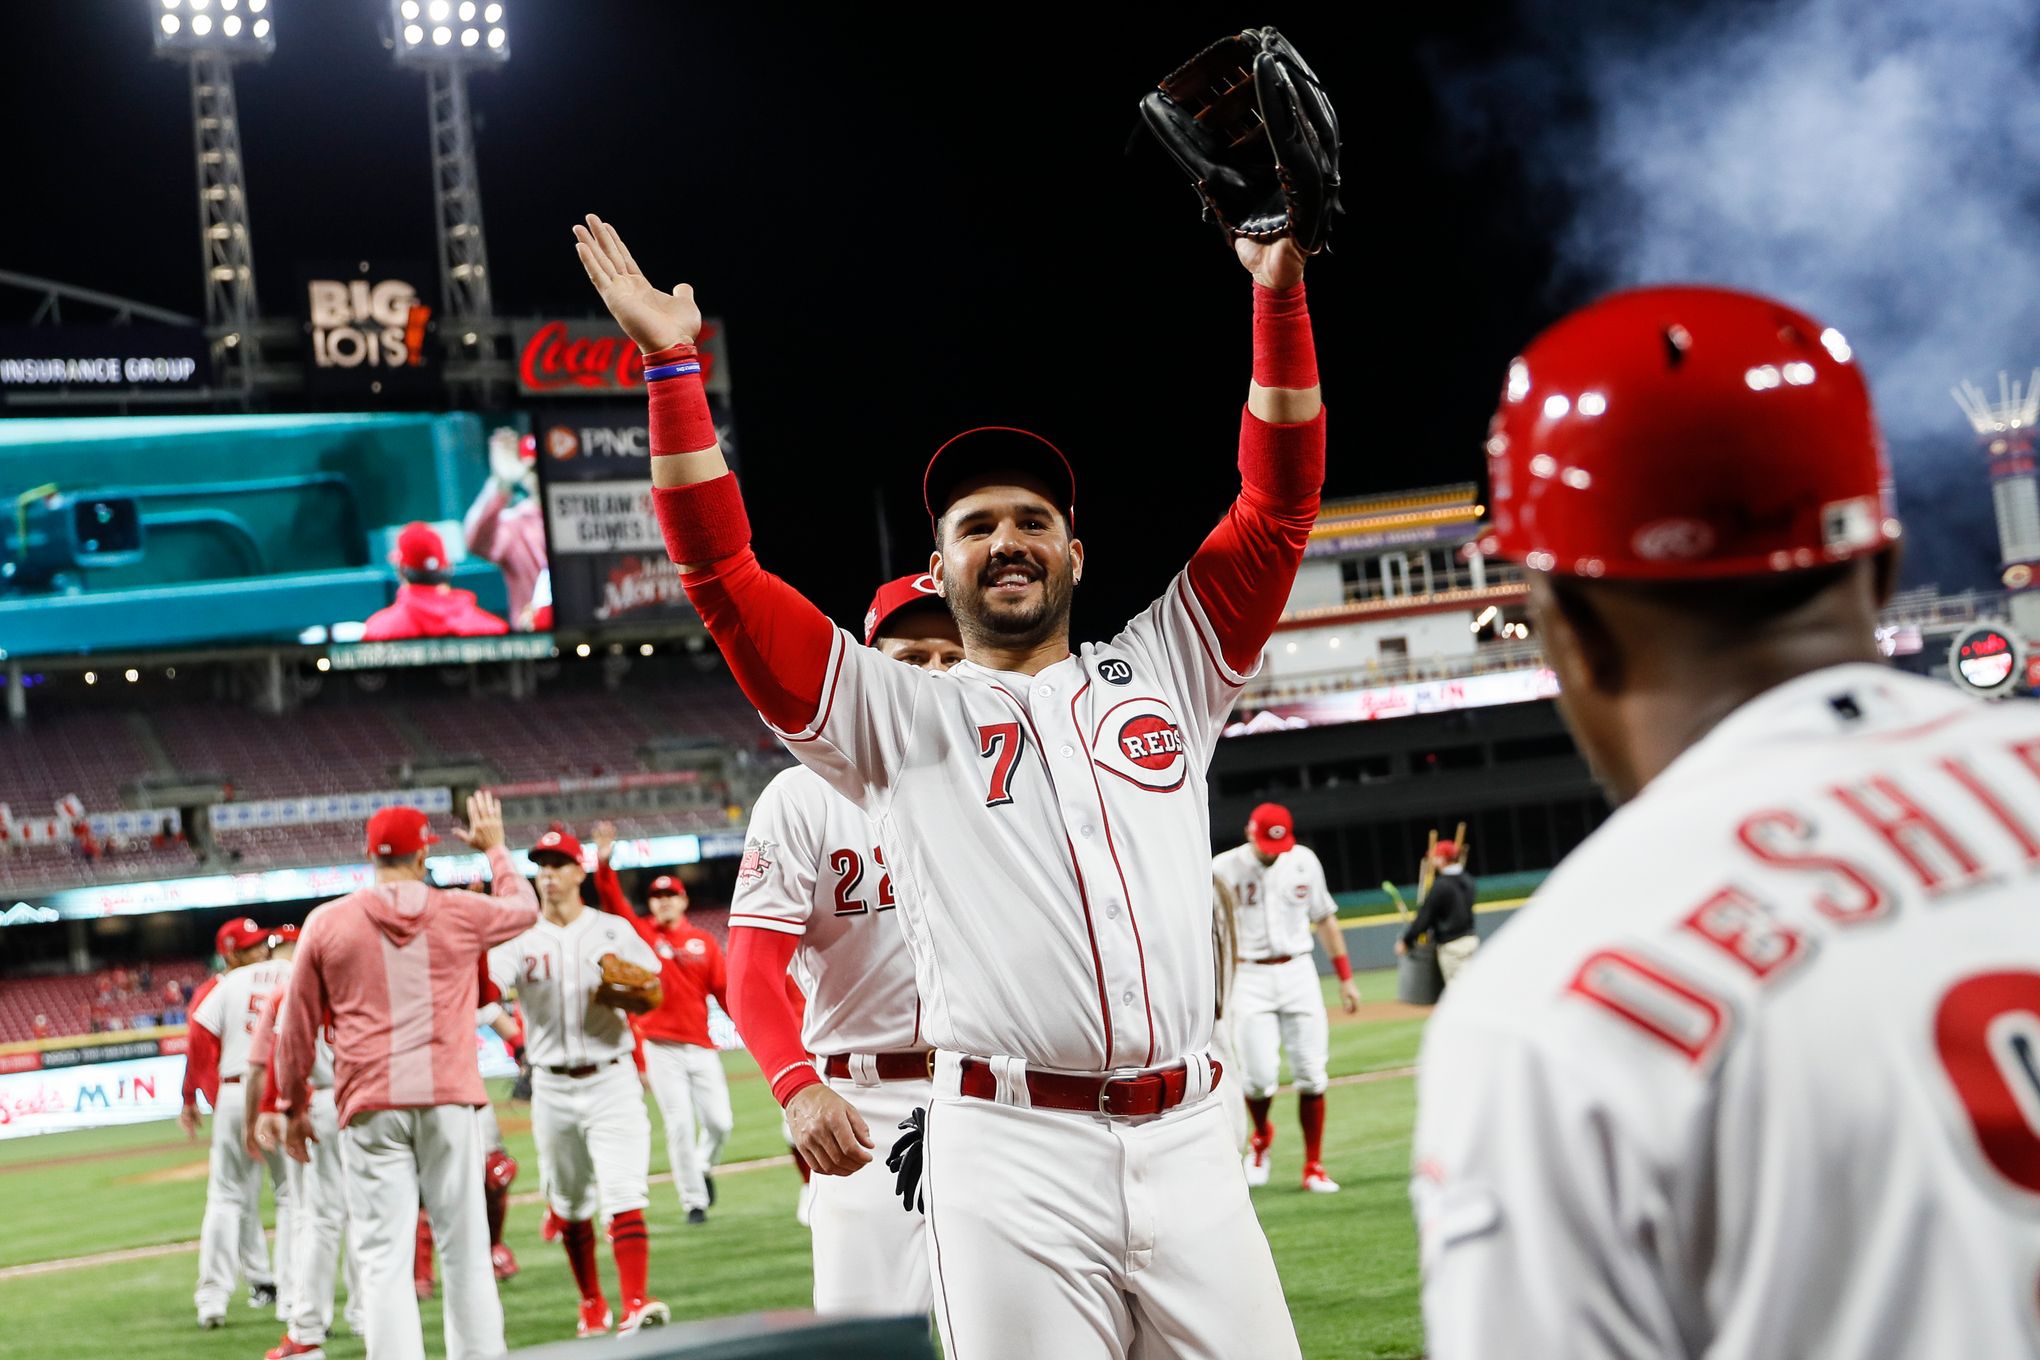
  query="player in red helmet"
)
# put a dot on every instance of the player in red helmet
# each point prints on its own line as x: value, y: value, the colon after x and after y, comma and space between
x: 1779, y: 1009
x: 427, y: 605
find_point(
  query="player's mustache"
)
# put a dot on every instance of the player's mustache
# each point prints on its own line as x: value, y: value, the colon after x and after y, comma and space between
x: 997, y: 569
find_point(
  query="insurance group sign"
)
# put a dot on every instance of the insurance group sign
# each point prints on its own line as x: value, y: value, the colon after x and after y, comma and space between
x: 102, y: 358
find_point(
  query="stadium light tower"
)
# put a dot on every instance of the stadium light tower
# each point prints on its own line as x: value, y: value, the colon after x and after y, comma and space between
x: 2006, y: 428
x: 212, y: 35
x: 449, y: 38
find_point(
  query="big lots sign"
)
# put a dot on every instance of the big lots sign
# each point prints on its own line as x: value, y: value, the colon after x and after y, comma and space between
x: 594, y: 359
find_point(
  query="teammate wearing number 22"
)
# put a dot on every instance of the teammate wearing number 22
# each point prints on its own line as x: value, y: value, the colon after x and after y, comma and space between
x: 1754, y: 1074
x: 814, y: 891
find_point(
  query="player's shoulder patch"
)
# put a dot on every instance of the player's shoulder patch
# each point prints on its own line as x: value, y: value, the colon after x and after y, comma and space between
x: 757, y: 861
x: 696, y: 945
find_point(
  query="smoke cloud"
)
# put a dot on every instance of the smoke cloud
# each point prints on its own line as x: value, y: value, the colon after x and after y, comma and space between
x: 1871, y: 161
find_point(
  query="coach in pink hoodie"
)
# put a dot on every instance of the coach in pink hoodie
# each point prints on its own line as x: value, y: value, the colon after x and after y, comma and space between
x: 392, y: 969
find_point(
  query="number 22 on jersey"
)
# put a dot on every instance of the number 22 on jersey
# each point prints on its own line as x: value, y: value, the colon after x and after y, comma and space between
x: 848, y: 866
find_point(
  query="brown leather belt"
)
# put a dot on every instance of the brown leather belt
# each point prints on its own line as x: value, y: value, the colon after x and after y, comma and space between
x: 586, y: 1070
x: 1275, y: 958
x: 1142, y: 1094
x: 915, y: 1066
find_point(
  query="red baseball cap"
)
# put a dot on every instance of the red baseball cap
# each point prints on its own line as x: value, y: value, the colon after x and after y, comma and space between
x: 399, y: 831
x: 284, y: 934
x: 1271, y: 828
x: 527, y: 448
x: 1444, y: 852
x: 998, y: 448
x: 556, y: 844
x: 419, y: 548
x: 896, y: 595
x: 237, y: 935
x: 665, y: 885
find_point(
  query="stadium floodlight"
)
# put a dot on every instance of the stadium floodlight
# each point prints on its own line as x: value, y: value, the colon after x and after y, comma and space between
x: 447, y: 32
x: 229, y: 28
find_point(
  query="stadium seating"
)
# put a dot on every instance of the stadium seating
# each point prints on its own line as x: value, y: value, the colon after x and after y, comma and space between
x: 325, y: 748
x: 91, y: 753
x: 67, y: 1001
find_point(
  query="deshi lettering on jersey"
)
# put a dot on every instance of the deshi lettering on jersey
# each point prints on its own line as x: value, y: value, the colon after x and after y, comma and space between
x: 1985, y: 1025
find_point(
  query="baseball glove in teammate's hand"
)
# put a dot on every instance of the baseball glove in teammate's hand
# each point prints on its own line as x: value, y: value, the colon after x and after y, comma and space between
x: 628, y: 987
x: 1248, y: 121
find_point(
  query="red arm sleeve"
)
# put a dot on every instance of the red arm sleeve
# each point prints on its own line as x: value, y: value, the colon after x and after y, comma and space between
x: 719, y: 978
x: 487, y: 990
x: 609, y: 893
x: 776, y: 642
x: 762, y: 1010
x: 201, y: 1064
x: 1243, y: 572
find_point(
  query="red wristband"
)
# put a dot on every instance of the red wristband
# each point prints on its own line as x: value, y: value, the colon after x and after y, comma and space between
x: 1283, y: 353
x: 703, y: 521
x: 1343, y: 966
x: 680, y: 418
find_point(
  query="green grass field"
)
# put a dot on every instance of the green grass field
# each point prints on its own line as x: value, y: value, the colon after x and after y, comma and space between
x: 1348, y: 1261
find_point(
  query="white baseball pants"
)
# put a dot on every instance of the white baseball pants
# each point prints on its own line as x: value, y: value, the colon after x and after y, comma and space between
x: 319, y: 1217
x: 871, y: 1252
x: 1088, y: 1238
x: 230, y: 1240
x: 1232, y: 1091
x: 395, y: 1159
x: 687, y: 1081
x: 594, y: 1142
x: 1279, y: 1006
x: 1453, y: 954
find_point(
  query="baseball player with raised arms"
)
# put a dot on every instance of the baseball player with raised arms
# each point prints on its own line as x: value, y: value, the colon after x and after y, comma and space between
x: 1044, y: 813
x: 681, y: 1064
x: 814, y: 892
x: 227, y: 1016
x: 393, y: 969
x: 1754, y: 1075
x: 587, y: 1110
x: 1280, y: 899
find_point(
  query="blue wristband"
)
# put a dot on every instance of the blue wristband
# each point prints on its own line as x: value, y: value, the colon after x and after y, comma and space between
x: 673, y: 370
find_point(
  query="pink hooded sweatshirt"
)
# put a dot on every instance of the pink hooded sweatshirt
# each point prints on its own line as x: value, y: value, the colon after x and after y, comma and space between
x: 393, y: 966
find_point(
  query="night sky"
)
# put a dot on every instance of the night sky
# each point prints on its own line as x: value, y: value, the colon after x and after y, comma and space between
x: 911, y: 226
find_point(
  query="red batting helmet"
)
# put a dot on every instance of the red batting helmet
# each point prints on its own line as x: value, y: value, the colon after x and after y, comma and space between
x: 1676, y: 433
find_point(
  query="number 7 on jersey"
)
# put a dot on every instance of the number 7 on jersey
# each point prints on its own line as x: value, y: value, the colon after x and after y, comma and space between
x: 1003, y: 742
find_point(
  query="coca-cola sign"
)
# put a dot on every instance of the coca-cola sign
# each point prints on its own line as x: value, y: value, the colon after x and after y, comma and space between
x: 592, y: 358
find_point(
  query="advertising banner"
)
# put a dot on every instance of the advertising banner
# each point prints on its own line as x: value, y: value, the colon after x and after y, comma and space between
x: 1394, y: 701
x: 90, y: 1097
x: 609, y: 565
x: 369, y: 328
x: 102, y: 358
x: 337, y: 807
x: 590, y: 357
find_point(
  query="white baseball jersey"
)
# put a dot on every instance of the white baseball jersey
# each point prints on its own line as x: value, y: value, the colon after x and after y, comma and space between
x: 1057, y: 818
x: 554, y: 970
x: 233, y: 1008
x: 1278, y: 904
x: 1757, y: 1073
x: 813, y: 867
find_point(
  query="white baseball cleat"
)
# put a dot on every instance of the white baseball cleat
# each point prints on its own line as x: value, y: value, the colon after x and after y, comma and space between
x: 1257, y: 1162
x: 1317, y: 1182
x: 644, y: 1313
x: 208, y: 1321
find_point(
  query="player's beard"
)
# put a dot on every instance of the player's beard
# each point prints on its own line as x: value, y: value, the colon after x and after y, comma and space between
x: 987, y: 621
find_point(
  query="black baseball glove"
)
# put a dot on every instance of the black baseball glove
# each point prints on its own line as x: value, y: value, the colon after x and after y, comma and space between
x: 1248, y: 121
x: 905, y: 1162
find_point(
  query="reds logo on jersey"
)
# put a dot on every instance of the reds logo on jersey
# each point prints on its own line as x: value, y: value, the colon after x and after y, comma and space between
x: 1140, y: 741
x: 756, y: 863
x: 666, y: 950
x: 696, y: 946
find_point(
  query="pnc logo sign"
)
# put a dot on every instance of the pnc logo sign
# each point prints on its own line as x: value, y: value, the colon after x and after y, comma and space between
x: 1140, y: 741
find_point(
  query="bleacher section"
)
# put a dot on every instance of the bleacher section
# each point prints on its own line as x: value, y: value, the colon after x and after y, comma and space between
x: 90, y: 753
x: 570, y: 736
x: 68, y: 1001
x: 337, y: 748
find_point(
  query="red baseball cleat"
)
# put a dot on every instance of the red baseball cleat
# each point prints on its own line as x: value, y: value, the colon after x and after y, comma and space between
x: 595, y: 1317
x: 503, y: 1259
x: 549, y: 1227
x: 644, y: 1313
x: 288, y: 1349
x: 1316, y: 1181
